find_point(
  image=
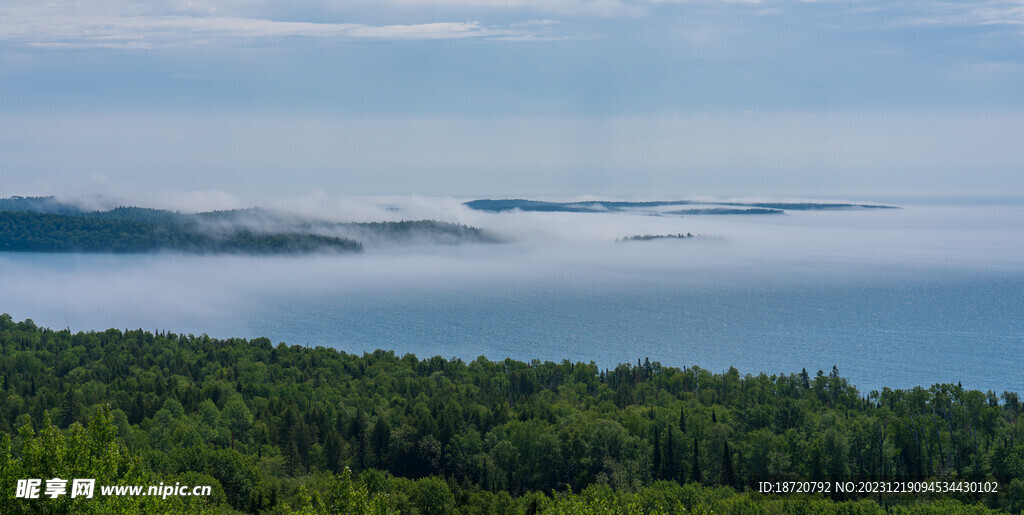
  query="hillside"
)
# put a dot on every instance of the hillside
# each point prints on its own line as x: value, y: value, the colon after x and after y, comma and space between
x: 45, y: 224
x: 271, y: 427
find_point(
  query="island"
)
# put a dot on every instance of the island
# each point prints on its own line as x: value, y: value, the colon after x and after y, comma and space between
x: 44, y: 224
x: 648, y: 237
x: 604, y: 206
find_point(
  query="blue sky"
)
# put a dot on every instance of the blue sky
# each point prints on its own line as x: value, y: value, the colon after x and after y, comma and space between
x: 520, y: 97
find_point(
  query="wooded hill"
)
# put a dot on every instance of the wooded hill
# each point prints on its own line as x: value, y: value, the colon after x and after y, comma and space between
x: 43, y: 224
x: 274, y: 428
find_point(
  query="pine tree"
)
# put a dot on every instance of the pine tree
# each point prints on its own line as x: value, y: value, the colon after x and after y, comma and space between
x: 71, y: 408
x: 356, y: 432
x: 739, y: 469
x: 695, y: 475
x: 656, y: 465
x: 728, y: 474
x: 670, y: 457
x: 333, y: 452
x: 293, y: 459
x: 381, y: 439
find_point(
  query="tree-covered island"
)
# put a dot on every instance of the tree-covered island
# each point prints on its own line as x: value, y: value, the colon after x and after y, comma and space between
x: 43, y: 224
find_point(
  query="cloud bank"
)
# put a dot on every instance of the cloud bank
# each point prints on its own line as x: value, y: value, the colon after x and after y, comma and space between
x: 73, y: 27
x: 126, y: 25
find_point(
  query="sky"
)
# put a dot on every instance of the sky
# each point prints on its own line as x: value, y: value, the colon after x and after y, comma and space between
x: 637, y: 98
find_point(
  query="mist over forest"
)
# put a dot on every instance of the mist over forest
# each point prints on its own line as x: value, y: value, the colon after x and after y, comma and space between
x: 748, y: 274
x: 965, y: 234
x: 425, y: 257
x: 518, y: 331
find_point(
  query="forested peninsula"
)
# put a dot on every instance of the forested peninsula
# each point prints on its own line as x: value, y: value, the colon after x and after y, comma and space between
x: 44, y: 224
x: 42, y: 232
x: 606, y: 206
x: 290, y: 429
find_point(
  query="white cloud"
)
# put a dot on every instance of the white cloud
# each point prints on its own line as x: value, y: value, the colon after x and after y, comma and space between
x: 605, y: 8
x: 704, y: 1
x: 972, y: 14
x: 535, y: 23
x: 126, y: 24
x: 427, y: 31
x: 600, y: 8
x: 63, y: 27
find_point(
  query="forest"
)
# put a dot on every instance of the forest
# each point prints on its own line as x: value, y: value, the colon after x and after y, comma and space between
x: 286, y: 429
x: 44, y: 224
x: 648, y: 237
x: 44, y: 232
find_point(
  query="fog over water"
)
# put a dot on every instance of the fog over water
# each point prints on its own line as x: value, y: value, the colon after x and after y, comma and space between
x: 893, y: 297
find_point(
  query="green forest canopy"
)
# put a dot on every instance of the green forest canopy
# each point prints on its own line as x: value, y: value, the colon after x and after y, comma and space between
x: 286, y: 428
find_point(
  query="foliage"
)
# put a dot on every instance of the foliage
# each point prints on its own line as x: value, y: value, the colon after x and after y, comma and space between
x: 43, y: 232
x: 44, y: 224
x: 646, y: 237
x: 280, y: 429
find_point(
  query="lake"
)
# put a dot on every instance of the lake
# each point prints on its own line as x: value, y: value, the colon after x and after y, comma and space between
x: 894, y: 298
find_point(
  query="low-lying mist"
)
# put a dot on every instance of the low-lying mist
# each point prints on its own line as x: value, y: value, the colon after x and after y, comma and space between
x: 563, y: 287
x: 965, y: 234
x: 574, y: 248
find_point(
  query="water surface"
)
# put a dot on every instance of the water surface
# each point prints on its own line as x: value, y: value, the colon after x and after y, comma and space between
x: 896, y: 298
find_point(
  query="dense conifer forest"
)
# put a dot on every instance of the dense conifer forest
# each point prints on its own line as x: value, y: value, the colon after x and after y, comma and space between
x: 282, y: 429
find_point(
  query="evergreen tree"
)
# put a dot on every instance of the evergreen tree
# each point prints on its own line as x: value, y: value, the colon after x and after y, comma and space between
x: 670, y: 457
x: 357, y: 433
x: 728, y: 473
x: 294, y: 460
x: 332, y: 452
x: 381, y: 440
x: 71, y: 407
x: 656, y: 471
x: 695, y: 474
x: 453, y: 420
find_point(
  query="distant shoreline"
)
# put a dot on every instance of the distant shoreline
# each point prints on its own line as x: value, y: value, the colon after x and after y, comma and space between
x: 602, y: 206
x: 44, y: 224
x: 648, y: 237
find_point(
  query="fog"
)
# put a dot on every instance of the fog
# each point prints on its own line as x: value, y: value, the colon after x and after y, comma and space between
x: 577, y: 248
x: 562, y: 281
x: 982, y: 233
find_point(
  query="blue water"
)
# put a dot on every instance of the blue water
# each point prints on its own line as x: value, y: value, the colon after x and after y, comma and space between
x: 900, y: 298
x: 887, y: 329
